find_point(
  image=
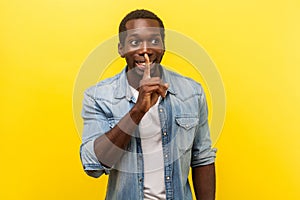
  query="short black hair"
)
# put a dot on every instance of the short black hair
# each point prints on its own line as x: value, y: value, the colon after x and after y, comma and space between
x: 139, y: 14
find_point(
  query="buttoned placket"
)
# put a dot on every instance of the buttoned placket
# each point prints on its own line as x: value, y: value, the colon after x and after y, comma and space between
x: 166, y: 151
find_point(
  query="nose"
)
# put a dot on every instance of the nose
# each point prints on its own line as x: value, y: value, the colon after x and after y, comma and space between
x: 145, y: 48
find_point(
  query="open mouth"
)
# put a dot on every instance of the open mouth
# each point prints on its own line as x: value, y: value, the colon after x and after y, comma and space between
x: 142, y: 64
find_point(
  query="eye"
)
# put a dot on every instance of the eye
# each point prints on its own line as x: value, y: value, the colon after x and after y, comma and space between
x: 155, y: 41
x: 134, y: 42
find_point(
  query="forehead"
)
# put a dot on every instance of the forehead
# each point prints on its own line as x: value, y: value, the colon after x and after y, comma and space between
x: 141, y: 23
x: 142, y: 26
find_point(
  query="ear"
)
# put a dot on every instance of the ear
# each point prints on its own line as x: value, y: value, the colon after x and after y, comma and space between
x: 121, y: 50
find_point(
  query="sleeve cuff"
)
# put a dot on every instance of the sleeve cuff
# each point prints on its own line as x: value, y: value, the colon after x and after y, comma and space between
x: 89, y: 161
x: 204, y: 158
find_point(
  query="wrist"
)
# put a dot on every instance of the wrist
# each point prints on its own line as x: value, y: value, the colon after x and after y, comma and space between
x: 136, y: 114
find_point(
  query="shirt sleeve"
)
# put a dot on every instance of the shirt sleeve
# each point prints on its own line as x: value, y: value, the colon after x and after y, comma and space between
x: 95, y: 125
x: 202, y: 152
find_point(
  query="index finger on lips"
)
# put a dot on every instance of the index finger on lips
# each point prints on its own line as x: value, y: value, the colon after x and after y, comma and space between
x: 147, y: 67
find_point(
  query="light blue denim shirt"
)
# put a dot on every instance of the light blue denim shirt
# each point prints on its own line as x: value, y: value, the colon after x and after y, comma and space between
x: 184, y: 128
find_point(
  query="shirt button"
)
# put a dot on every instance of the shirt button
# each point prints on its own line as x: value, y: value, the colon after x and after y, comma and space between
x: 166, y: 155
x: 168, y: 177
x: 160, y: 110
x: 165, y: 133
x: 140, y: 179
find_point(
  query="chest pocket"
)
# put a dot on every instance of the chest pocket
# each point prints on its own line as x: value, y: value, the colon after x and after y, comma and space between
x: 185, y: 131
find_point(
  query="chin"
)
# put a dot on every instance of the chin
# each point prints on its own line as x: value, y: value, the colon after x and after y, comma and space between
x: 135, y: 71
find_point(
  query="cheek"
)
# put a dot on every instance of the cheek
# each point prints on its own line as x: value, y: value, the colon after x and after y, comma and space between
x: 129, y: 59
x: 160, y: 53
x: 130, y: 50
x: 129, y: 55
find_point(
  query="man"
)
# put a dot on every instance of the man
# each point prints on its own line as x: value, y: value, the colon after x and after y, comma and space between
x: 146, y: 126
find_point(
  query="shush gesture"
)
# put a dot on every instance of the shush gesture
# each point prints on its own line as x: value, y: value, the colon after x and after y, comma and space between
x: 150, y: 88
x: 147, y: 72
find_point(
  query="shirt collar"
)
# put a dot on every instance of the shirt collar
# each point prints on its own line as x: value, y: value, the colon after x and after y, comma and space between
x: 122, y: 89
x: 167, y: 79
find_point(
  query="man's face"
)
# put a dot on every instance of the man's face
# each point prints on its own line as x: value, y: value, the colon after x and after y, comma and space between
x: 142, y: 37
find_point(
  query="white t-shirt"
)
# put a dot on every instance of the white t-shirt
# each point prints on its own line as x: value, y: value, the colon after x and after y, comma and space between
x: 150, y: 133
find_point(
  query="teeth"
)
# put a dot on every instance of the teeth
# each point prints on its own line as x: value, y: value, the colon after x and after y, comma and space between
x: 143, y: 63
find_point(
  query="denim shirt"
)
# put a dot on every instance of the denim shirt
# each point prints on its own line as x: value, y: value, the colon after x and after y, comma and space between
x: 184, y: 128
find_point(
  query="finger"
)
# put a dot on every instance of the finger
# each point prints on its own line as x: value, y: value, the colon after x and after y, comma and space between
x: 162, y: 90
x: 149, y: 89
x: 155, y: 82
x: 158, y: 89
x: 150, y: 81
x: 164, y: 85
x: 147, y: 67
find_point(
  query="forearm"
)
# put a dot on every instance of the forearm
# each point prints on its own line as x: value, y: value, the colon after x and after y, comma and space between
x: 110, y: 146
x: 204, y: 181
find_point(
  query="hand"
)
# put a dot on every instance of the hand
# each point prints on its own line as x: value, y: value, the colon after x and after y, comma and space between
x: 150, y: 89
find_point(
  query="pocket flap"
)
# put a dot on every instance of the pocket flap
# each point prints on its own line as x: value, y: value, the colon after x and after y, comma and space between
x: 187, y: 122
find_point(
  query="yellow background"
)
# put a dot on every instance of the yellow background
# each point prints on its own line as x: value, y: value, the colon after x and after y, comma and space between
x: 255, y: 45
